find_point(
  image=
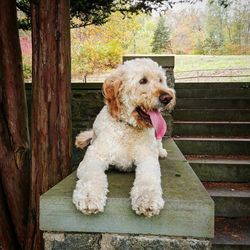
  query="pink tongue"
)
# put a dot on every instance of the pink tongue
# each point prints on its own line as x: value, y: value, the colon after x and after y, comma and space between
x: 159, y: 123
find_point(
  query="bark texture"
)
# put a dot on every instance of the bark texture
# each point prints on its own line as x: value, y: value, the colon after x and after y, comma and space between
x: 14, y: 136
x: 51, y: 115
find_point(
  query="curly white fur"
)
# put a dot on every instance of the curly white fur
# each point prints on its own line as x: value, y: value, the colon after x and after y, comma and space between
x: 122, y: 139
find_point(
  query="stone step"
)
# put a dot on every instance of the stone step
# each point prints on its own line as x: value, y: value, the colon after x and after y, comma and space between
x: 221, y: 169
x: 213, y: 146
x: 213, y: 103
x: 212, y: 114
x: 231, y: 199
x: 205, y: 128
x: 210, y: 85
x: 213, y: 93
x: 232, y: 233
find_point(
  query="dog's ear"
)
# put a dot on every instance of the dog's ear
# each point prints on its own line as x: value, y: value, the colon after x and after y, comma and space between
x: 111, y: 91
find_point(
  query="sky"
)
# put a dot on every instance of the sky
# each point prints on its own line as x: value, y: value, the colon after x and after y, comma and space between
x: 198, y: 5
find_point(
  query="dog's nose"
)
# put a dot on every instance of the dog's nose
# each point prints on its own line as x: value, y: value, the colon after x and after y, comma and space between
x: 165, y: 98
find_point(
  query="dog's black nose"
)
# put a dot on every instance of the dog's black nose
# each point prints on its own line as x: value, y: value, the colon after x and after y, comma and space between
x: 165, y: 98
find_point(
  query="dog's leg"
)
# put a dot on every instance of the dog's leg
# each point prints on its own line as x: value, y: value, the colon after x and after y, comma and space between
x: 146, y: 194
x: 91, y: 189
x: 162, y: 151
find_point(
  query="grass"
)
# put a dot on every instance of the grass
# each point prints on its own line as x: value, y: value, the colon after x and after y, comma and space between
x: 205, y: 62
x: 205, y: 68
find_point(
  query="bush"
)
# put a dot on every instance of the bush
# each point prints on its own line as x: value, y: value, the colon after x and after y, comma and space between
x: 91, y: 57
x: 27, y: 71
x: 236, y: 49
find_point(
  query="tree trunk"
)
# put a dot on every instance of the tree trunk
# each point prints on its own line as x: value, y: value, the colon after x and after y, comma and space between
x: 14, y: 136
x: 51, y: 115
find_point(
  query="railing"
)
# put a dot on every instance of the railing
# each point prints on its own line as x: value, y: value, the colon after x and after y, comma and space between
x: 231, y: 75
x: 241, y: 74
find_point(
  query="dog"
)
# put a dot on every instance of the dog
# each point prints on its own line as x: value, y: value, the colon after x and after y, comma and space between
x: 127, y: 132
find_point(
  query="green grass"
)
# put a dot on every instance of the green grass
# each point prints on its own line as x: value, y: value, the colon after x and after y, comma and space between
x: 203, y: 62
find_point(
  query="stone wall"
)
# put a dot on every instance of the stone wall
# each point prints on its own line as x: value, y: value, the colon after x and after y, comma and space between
x: 86, y: 103
x: 95, y: 241
x: 170, y: 76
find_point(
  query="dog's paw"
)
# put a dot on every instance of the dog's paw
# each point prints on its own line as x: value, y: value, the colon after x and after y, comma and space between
x: 83, y: 139
x: 163, y: 153
x: 87, y: 200
x: 147, y: 203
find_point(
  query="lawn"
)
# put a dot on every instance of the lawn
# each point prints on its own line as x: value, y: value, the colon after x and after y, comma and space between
x: 204, y: 62
x: 200, y: 68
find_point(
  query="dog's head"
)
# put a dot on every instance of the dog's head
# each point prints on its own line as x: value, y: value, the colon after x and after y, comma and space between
x: 136, y: 92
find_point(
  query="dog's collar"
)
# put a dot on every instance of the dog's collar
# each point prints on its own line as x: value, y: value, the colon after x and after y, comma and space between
x: 130, y: 125
x: 126, y: 123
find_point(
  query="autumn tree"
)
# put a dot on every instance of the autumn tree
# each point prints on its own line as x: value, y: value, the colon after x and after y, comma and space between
x: 238, y: 28
x: 100, y: 48
x: 227, y: 30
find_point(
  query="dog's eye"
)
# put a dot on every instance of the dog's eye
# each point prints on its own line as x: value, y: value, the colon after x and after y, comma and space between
x: 143, y: 80
x: 161, y: 80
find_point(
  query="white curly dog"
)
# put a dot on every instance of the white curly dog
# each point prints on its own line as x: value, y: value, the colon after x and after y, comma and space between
x: 127, y: 132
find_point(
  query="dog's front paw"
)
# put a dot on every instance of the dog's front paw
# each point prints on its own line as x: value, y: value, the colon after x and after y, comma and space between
x: 163, y: 153
x: 87, y: 199
x: 147, y: 203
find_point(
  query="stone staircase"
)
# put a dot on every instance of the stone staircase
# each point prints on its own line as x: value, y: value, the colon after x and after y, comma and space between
x: 212, y: 129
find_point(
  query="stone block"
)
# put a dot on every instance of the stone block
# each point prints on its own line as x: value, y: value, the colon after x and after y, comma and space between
x: 130, y: 242
x: 166, y: 61
x: 188, y: 211
x: 97, y: 241
x: 71, y: 241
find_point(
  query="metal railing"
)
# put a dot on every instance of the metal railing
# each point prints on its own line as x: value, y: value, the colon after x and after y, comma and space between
x: 242, y: 74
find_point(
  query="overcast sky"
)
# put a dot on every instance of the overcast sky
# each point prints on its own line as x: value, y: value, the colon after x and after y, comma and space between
x: 198, y: 5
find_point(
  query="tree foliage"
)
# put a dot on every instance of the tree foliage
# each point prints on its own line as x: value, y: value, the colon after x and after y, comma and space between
x: 98, y: 11
x: 161, y: 41
x: 227, y: 31
x: 213, y: 30
x: 98, y: 48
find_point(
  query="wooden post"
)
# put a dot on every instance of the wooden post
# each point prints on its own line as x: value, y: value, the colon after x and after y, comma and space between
x: 51, y: 114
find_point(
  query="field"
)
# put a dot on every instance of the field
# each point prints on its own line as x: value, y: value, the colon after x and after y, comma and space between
x: 205, y: 62
x: 212, y: 68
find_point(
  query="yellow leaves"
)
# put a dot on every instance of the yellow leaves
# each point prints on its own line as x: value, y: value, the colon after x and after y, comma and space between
x: 98, y: 48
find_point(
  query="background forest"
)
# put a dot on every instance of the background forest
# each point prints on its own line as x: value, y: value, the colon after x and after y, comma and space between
x: 207, y: 29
